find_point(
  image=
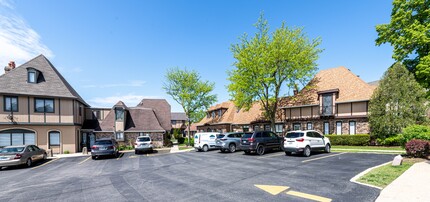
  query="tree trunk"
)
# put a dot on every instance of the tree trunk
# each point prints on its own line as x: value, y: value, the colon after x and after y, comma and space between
x: 189, y: 127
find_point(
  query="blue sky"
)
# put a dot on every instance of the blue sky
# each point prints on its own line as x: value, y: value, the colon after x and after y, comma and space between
x: 120, y: 50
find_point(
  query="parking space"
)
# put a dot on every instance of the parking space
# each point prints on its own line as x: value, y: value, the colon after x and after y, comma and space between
x: 194, y: 176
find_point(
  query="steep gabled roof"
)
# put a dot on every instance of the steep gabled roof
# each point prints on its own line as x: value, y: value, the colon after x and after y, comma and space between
x: 162, y: 110
x: 54, y: 84
x: 179, y: 116
x: 138, y: 119
x: 233, y: 115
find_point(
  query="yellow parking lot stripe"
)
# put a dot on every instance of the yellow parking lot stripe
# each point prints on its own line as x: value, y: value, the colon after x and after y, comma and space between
x: 274, y: 190
x: 84, y: 160
x: 44, y: 164
x: 314, y: 159
x: 120, y: 156
x: 308, y: 196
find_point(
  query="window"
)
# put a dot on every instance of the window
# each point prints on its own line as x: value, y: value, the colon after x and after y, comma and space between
x: 352, y: 127
x: 256, y: 128
x: 31, y: 76
x: 309, y: 126
x: 10, y: 104
x: 279, y: 128
x: 245, y: 129
x: 296, y: 126
x: 119, y: 114
x: 54, y: 138
x: 327, y: 104
x: 213, y: 114
x: 44, y: 105
x: 338, y: 127
x: 97, y: 114
x: 267, y: 128
x: 17, y: 137
x: 220, y: 113
x: 80, y: 110
x: 326, y: 128
x: 173, y: 122
x: 119, y: 136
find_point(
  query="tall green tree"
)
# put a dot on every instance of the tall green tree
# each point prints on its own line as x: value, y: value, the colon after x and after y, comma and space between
x: 409, y: 33
x: 267, y: 63
x: 399, y: 101
x: 194, y: 95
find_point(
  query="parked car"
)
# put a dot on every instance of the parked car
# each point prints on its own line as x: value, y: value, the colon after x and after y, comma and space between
x: 260, y: 141
x: 143, y: 144
x: 230, y: 142
x: 21, y: 155
x: 305, y: 142
x: 104, y: 147
x: 206, y: 140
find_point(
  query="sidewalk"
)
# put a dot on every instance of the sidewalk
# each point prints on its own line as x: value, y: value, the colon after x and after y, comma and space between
x: 412, y: 185
x: 175, y: 149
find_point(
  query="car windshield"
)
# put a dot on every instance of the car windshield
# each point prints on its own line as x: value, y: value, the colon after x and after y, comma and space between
x: 143, y: 139
x: 294, y: 135
x: 220, y: 136
x: 103, y: 142
x: 247, y: 135
x: 11, y: 149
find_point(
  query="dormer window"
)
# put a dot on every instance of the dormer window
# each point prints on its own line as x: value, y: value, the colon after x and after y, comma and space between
x: 31, y: 76
x: 213, y: 114
x: 119, y: 114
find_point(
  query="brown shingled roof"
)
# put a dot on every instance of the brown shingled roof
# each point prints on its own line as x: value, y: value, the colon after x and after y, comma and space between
x: 162, y: 110
x: 137, y: 119
x: 233, y: 115
x: 53, y: 84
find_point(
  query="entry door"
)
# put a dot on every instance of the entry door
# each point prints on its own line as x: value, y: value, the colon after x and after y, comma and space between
x: 338, y: 128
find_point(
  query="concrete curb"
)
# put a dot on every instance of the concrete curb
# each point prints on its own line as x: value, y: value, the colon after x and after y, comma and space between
x: 355, y: 178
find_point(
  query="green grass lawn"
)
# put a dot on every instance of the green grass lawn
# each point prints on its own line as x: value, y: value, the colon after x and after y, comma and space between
x: 379, y: 148
x: 384, y: 175
x: 184, y: 147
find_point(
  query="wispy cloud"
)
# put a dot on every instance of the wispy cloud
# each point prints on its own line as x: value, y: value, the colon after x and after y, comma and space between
x: 135, y: 83
x: 129, y: 99
x: 18, y: 41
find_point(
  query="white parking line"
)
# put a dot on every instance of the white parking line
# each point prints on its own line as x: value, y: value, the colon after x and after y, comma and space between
x: 273, y: 155
x: 314, y: 159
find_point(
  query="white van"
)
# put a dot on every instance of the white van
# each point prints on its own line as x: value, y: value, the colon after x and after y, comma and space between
x: 206, y: 140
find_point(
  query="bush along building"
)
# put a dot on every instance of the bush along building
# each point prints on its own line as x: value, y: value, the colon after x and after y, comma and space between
x: 38, y: 106
x: 335, y: 101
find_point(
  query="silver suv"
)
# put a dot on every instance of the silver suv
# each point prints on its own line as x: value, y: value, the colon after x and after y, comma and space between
x: 143, y: 144
x: 230, y: 142
x: 305, y: 141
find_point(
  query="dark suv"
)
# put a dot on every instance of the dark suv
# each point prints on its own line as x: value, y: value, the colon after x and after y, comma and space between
x: 260, y: 141
x: 105, y: 147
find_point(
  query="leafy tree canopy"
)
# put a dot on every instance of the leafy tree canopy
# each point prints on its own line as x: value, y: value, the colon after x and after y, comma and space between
x: 399, y: 101
x: 193, y: 94
x: 267, y: 62
x: 409, y: 34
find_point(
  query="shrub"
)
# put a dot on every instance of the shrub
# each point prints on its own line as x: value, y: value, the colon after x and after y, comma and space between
x: 191, y: 141
x: 177, y: 133
x: 168, y: 143
x: 350, y: 140
x: 417, y: 148
x: 415, y: 132
x: 391, y: 141
x: 66, y: 152
x: 181, y: 140
x: 125, y: 147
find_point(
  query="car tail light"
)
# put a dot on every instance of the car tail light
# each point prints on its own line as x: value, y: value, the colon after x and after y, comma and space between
x: 300, y: 140
x: 94, y: 147
x: 150, y: 142
x: 223, y: 139
x: 251, y: 139
x: 285, y: 139
x: 18, y: 156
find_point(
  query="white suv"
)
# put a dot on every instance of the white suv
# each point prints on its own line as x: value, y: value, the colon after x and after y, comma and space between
x: 305, y: 141
x: 143, y: 144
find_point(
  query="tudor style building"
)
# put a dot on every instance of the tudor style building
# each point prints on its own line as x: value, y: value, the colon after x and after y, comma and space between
x: 38, y: 106
x: 334, y: 102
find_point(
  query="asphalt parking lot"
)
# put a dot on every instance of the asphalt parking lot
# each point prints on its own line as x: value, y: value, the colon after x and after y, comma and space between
x: 194, y: 176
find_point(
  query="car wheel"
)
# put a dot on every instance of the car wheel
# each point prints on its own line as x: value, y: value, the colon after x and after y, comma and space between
x: 247, y: 152
x: 307, y: 151
x: 205, y: 148
x: 327, y: 148
x: 232, y: 148
x: 93, y: 157
x: 28, y: 163
x: 288, y: 153
x: 136, y: 152
x: 222, y: 150
x: 260, y: 150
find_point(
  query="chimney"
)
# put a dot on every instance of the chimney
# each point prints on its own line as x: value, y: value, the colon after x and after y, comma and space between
x: 10, y: 66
